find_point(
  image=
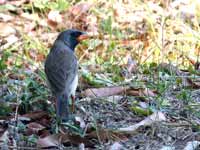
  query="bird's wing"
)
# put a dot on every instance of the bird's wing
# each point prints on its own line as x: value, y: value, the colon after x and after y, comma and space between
x: 61, y: 68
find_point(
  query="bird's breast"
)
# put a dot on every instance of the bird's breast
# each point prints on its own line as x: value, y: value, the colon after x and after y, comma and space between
x: 74, y: 85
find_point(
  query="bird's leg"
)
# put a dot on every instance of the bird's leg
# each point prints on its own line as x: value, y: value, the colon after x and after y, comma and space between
x: 58, y: 108
x: 62, y: 108
x: 73, y: 103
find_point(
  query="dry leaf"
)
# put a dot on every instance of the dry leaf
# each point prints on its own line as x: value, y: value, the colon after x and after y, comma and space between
x: 6, y: 30
x: 5, y: 17
x: 32, y: 17
x: 192, y: 145
x: 80, y: 8
x: 190, y: 83
x: 4, y: 138
x: 141, y: 92
x: 55, y: 16
x: 147, y: 92
x: 35, y: 127
x: 80, y: 121
x: 106, y: 91
x: 58, y: 139
x: 116, y: 146
x: 155, y: 117
x: 168, y: 148
x: 36, y: 115
x: 50, y: 141
x: 11, y: 39
x: 2, y: 2
x: 81, y: 146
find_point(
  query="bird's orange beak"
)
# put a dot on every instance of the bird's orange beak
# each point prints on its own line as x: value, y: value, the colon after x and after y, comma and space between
x: 83, y: 37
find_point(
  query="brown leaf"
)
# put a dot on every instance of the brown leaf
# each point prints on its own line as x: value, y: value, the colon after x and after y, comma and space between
x: 35, y: 127
x: 10, y: 40
x: 116, y: 146
x: 52, y: 24
x: 16, y: 76
x: 2, y: 2
x: 6, y: 30
x: 57, y: 139
x: 106, y: 91
x: 141, y: 92
x: 105, y: 134
x: 31, y: 17
x: 147, y: 92
x: 18, y: 2
x: 54, y: 18
x: 155, y: 117
x: 5, y: 17
x: 194, y: 85
x: 5, y: 137
x: 80, y: 8
x: 36, y: 115
x: 50, y: 141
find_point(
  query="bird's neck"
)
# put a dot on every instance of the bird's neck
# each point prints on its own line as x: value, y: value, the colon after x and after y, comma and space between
x: 71, y: 46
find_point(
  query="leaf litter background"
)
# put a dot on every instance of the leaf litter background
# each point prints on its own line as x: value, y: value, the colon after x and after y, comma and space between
x: 139, y: 85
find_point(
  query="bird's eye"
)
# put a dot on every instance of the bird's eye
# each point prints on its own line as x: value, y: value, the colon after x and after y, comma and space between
x: 76, y: 34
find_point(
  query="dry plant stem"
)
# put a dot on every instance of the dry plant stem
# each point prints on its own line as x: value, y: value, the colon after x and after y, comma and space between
x: 163, y: 39
x: 97, y: 131
x: 26, y: 148
x: 187, y: 136
x: 84, y: 54
x: 16, y: 113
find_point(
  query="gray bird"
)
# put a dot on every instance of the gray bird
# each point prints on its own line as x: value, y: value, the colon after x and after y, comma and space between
x: 61, y: 69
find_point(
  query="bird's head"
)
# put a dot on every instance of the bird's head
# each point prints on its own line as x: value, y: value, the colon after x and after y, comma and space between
x: 72, y: 37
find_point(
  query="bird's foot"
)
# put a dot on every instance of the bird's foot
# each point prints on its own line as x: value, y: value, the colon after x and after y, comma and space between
x: 73, y: 103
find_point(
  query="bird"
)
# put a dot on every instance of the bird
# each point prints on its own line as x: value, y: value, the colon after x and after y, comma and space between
x: 61, y: 69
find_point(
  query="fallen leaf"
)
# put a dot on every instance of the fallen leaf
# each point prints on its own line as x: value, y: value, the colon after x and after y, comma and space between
x: 141, y: 92
x: 190, y: 83
x: 80, y: 8
x: 147, y: 92
x: 6, y: 30
x: 36, y: 115
x: 5, y: 17
x: 106, y: 134
x: 80, y: 121
x: 50, y: 141
x: 16, y: 76
x: 10, y: 40
x: 54, y: 18
x: 155, y: 117
x: 4, y: 138
x: 18, y: 2
x: 106, y: 91
x: 35, y: 127
x: 81, y: 146
x: 2, y: 2
x: 116, y: 146
x: 32, y: 17
x: 192, y: 145
x: 168, y: 148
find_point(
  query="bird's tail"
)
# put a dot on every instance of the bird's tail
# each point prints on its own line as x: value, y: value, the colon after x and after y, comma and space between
x: 62, y: 107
